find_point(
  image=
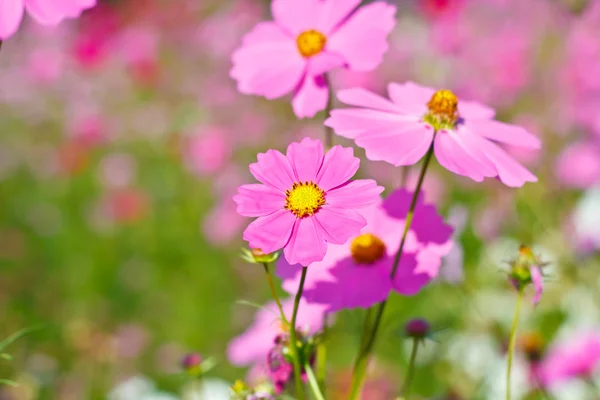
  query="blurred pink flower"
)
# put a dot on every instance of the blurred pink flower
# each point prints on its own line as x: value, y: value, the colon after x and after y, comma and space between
x: 127, y: 205
x: 252, y: 347
x: 45, y: 12
x: 577, y: 357
x: 307, y: 39
x: 223, y: 224
x: 208, y: 152
x: 89, y: 130
x: 46, y: 65
x: 117, y: 170
x: 465, y: 131
x: 579, y: 165
x: 305, y: 201
x: 357, y: 273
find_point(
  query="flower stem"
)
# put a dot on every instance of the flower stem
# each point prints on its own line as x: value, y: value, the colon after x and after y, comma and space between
x: 274, y: 293
x: 294, y: 338
x: 411, y: 369
x: 312, y: 381
x: 512, y: 341
x: 328, y: 130
x: 360, y: 365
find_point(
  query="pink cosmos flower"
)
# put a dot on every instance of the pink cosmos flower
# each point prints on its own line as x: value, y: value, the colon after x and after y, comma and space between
x: 252, y: 347
x: 46, y: 12
x: 401, y: 130
x: 357, y: 273
x: 305, y: 200
x: 307, y: 39
x: 575, y: 358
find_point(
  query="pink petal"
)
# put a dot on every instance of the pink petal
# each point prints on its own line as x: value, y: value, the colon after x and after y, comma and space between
x: 410, y: 97
x: 270, y: 233
x: 510, y: 172
x: 452, y: 156
x: 362, y: 39
x: 355, y: 194
x: 264, y: 32
x: 48, y: 12
x: 324, y: 62
x: 258, y: 200
x: 337, y: 225
x: 311, y: 97
x: 350, y: 122
x: 11, y: 14
x: 473, y: 110
x: 363, y: 98
x: 474, y: 145
x: 339, y: 165
x: 504, y: 133
x: 306, y: 159
x: 306, y: 244
x: 271, y: 68
x: 537, y: 280
x: 333, y: 12
x: 295, y: 16
x: 407, y: 280
x: 404, y: 144
x: 273, y: 169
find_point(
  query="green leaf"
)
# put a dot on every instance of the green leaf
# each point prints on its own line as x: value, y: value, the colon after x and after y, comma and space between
x: 15, y: 336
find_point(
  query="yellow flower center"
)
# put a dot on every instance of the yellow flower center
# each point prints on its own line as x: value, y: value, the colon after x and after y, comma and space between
x: 304, y: 199
x: 367, y: 248
x: 310, y: 43
x: 443, y: 110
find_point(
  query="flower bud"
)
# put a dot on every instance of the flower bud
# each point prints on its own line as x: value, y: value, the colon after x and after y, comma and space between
x: 257, y: 256
x: 192, y: 364
x: 417, y: 328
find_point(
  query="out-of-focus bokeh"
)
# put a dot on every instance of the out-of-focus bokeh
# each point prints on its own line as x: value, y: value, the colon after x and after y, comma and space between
x: 123, y: 139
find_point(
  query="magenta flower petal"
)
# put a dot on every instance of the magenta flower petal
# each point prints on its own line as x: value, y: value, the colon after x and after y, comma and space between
x: 356, y: 194
x: 306, y: 159
x: 349, y: 286
x: 329, y: 176
x: 336, y: 224
x: 408, y: 281
x: 311, y: 97
x: 383, y: 144
x: 47, y: 12
x: 456, y: 159
x: 362, y: 39
x: 324, y: 62
x: 363, y: 98
x: 504, y: 133
x: 265, y: 32
x: 257, y: 200
x: 334, y: 12
x: 307, y: 243
x: 270, y: 233
x: 538, y: 285
x: 510, y: 172
x: 11, y: 14
x: 273, y: 169
x: 295, y: 16
x: 350, y: 122
x: 410, y: 97
x: 473, y: 110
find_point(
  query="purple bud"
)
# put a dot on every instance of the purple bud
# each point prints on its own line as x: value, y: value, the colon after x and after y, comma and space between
x: 417, y: 328
x: 191, y: 361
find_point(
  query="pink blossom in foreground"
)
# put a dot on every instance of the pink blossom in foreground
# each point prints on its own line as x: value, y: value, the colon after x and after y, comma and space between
x: 401, y: 131
x: 45, y: 12
x: 252, y: 346
x: 357, y: 273
x: 305, y: 200
x: 306, y: 39
x: 576, y: 358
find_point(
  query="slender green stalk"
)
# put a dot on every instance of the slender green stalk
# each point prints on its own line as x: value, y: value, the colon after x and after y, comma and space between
x: 360, y: 365
x: 512, y: 341
x: 593, y: 385
x: 411, y: 369
x: 294, y: 338
x: 313, y: 383
x: 274, y: 293
x: 328, y: 108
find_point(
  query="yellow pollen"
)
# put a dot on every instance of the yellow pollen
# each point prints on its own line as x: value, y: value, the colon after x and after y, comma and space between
x: 310, y: 43
x: 304, y: 199
x: 367, y: 248
x: 443, y: 110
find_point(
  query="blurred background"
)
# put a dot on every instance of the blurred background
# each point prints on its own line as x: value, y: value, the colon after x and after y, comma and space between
x: 123, y: 139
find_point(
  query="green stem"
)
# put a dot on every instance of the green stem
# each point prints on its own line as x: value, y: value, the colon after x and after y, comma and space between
x: 361, y: 363
x: 512, y: 341
x: 294, y: 338
x: 411, y: 369
x: 274, y: 293
x: 328, y: 108
x: 313, y: 383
